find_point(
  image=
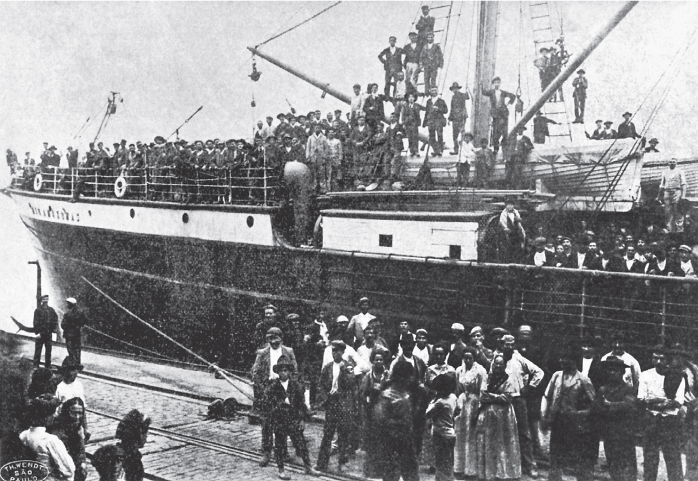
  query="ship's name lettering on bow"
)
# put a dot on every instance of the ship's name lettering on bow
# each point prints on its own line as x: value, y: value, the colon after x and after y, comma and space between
x: 51, y: 213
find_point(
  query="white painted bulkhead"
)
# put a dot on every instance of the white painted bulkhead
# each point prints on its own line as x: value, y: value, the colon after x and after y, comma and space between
x: 252, y: 227
x: 419, y: 234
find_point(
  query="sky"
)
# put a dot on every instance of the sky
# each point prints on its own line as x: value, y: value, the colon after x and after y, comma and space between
x: 60, y: 60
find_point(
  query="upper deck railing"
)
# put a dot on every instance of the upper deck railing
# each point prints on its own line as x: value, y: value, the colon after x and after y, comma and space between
x: 243, y: 185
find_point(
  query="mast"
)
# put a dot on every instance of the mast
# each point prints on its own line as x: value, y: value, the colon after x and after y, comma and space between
x: 324, y: 86
x: 574, y: 64
x: 484, y: 66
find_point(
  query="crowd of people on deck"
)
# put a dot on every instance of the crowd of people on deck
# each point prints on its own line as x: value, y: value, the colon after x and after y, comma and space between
x: 471, y: 405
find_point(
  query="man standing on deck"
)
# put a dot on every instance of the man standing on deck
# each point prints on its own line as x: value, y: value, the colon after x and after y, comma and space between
x: 458, y: 114
x: 73, y: 322
x: 45, y: 324
x: 672, y: 189
x: 626, y: 130
x: 540, y: 127
x: 357, y: 105
x: 598, y: 132
x: 391, y: 58
x: 411, y: 62
x: 431, y: 59
x: 608, y: 133
x: 435, y: 120
x: 499, y: 111
x: 412, y: 121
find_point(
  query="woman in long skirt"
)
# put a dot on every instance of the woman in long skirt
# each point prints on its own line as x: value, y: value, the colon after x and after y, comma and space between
x: 372, y: 384
x: 498, y: 453
x: 471, y: 378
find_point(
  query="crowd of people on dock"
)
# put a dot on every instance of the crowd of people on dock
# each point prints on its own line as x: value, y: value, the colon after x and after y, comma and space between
x: 472, y: 405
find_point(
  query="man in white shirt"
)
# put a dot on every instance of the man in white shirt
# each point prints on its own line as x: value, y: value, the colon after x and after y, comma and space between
x: 672, y: 189
x: 357, y: 105
x: 359, y: 322
x: 662, y: 392
x: 688, y: 267
x: 466, y: 157
x: 632, y: 374
x: 422, y: 349
x: 70, y: 386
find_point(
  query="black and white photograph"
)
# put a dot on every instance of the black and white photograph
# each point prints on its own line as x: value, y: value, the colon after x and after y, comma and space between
x: 349, y: 240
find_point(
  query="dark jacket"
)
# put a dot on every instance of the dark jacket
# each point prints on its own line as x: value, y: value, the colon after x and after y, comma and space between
x: 411, y: 54
x: 412, y: 115
x: 261, y: 367
x: 592, y: 261
x: 596, y: 372
x: 346, y: 384
x: 73, y: 322
x: 435, y: 113
x: 431, y: 57
x: 672, y: 266
x: 499, y: 110
x: 391, y: 62
x: 458, y: 110
x: 45, y: 320
x: 626, y: 130
x: 275, y: 395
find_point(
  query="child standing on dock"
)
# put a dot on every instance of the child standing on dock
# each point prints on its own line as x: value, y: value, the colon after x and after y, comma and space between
x: 285, y: 403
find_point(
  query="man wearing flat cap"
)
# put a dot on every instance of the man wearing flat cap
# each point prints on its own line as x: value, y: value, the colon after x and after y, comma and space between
x: 45, y: 324
x: 262, y: 375
x: 336, y: 394
x: 391, y: 58
x: 458, y: 114
x: 580, y: 85
x: 73, y: 322
x: 688, y: 266
x: 411, y: 62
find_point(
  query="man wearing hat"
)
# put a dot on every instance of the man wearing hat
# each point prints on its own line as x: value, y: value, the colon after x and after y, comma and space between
x: 73, y: 322
x: 540, y: 127
x: 688, y: 267
x: 71, y: 387
x: 391, y: 58
x: 626, y: 129
x: 672, y: 188
x: 262, y: 375
x: 431, y: 59
x: 458, y: 114
x: 435, y: 120
x: 597, y: 134
x: 283, y: 127
x: 45, y: 324
x: 580, y: 85
x: 336, y: 394
x: 499, y: 111
x: 632, y: 373
x: 540, y: 256
x: 359, y: 322
x: 521, y: 147
x: 661, y: 394
x: 652, y: 147
x: 411, y: 62
x: 284, y: 399
x: 424, y: 26
x: 608, y: 133
x: 612, y: 414
x: 268, y: 130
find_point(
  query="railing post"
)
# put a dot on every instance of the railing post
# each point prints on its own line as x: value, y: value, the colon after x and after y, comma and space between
x: 662, y: 334
x: 72, y: 183
x: 583, y: 306
x: 265, y: 177
x: 145, y: 177
x: 55, y: 180
x: 96, y: 184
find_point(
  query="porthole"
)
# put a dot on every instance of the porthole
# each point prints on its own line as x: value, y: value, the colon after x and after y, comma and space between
x: 185, y: 217
x: 89, y: 212
x: 132, y: 213
x: 250, y: 221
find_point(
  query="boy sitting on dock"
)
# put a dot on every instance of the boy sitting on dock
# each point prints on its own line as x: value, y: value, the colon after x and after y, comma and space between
x: 285, y: 403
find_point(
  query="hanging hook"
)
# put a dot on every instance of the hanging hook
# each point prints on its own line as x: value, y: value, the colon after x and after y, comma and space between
x: 255, y: 73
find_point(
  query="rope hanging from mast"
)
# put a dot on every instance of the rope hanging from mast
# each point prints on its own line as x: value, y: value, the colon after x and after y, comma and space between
x: 297, y: 25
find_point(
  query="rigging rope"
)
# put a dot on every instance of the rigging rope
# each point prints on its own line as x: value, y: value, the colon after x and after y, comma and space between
x: 455, y: 32
x: 298, y: 25
x: 210, y: 365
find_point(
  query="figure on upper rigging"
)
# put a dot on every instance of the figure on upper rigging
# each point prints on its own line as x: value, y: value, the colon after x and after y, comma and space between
x: 580, y: 85
x: 431, y: 59
x: 550, y: 65
x: 425, y: 26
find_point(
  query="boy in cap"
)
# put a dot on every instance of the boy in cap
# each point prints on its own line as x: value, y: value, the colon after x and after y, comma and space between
x: 285, y: 402
x: 45, y: 324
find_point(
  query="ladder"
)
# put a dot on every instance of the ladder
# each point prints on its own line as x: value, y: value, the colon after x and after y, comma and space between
x: 543, y: 36
x: 442, y: 13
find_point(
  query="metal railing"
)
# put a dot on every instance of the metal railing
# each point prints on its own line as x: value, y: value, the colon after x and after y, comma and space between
x: 241, y: 185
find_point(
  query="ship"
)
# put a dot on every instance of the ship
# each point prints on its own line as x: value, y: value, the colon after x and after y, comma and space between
x: 152, y: 269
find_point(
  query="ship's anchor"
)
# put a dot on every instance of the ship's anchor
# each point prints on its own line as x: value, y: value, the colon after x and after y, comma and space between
x: 255, y: 73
